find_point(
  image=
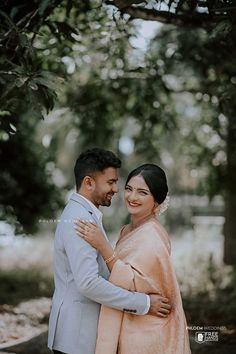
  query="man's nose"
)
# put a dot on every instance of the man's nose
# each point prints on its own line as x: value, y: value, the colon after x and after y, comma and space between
x: 115, y: 188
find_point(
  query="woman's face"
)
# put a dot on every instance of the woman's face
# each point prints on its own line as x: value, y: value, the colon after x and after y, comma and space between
x: 138, y: 198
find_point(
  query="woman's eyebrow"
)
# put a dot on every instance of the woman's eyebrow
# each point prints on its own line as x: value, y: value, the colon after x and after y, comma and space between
x: 142, y: 189
x: 139, y: 189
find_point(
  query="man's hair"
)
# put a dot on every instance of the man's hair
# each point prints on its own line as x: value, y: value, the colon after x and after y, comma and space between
x: 92, y: 161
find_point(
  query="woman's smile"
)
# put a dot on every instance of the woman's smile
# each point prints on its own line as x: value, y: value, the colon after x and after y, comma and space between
x: 139, y: 200
x: 133, y: 204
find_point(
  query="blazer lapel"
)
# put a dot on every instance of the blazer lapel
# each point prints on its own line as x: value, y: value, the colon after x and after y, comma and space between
x: 76, y: 198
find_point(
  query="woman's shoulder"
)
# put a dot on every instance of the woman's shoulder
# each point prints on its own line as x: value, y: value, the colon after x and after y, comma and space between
x: 125, y: 229
x: 155, y: 225
x: 123, y: 232
x: 156, y: 232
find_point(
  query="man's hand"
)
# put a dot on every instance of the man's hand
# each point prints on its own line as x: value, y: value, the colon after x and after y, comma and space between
x: 159, y: 306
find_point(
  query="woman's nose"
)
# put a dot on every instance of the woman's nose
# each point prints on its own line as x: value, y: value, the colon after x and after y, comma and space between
x: 133, y: 196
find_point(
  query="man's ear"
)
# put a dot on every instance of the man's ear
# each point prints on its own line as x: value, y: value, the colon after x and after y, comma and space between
x: 89, y: 183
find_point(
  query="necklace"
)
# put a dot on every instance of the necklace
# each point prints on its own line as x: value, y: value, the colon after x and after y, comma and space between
x: 134, y: 226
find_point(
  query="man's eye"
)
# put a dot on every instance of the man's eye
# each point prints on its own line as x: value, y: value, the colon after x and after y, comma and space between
x: 111, y: 183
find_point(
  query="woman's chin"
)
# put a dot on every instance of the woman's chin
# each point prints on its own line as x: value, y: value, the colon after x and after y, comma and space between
x: 133, y: 211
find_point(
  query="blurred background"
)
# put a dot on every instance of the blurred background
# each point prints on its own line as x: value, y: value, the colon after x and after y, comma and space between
x: 153, y: 81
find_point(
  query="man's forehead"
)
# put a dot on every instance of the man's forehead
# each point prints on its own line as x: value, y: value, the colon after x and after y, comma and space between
x: 110, y: 173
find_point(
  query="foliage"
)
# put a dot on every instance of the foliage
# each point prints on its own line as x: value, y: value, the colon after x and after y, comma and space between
x: 108, y: 90
x: 20, y: 285
x: 199, y: 73
x: 219, y: 308
x: 179, y: 12
x: 199, y: 70
x: 21, y: 71
x: 116, y: 92
x: 26, y: 192
x: 27, y: 92
x: 111, y: 92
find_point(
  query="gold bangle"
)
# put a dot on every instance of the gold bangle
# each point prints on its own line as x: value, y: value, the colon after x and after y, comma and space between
x: 108, y: 260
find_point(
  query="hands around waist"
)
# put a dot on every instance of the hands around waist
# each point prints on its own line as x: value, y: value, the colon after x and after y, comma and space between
x: 159, y: 306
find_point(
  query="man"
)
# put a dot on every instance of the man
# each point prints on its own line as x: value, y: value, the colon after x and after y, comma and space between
x: 80, y: 273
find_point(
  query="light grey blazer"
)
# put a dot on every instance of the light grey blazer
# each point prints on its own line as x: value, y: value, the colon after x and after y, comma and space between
x: 80, y: 275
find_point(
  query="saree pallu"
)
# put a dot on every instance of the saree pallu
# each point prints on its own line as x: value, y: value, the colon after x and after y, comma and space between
x: 144, y: 265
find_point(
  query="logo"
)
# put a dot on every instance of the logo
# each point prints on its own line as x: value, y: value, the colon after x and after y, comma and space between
x: 201, y: 337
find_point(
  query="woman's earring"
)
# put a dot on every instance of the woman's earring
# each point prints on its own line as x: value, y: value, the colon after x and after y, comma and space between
x: 164, y: 205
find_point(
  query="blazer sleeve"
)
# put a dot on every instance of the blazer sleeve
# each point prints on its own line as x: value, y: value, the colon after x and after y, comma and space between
x: 83, y: 262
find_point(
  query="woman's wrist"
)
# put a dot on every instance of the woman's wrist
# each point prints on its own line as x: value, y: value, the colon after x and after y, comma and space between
x: 106, y: 250
x: 111, y: 258
x: 104, y: 246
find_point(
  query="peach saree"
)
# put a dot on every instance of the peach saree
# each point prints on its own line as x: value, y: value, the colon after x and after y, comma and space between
x: 144, y: 265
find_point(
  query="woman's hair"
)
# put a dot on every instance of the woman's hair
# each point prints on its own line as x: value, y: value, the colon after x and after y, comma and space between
x: 155, y: 179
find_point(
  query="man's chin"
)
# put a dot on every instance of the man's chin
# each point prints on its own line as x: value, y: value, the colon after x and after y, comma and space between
x: 106, y: 203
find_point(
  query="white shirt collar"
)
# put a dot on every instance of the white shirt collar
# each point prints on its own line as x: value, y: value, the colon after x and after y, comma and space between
x: 95, y: 210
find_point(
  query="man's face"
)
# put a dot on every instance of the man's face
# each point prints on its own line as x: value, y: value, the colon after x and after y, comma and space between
x: 105, y: 186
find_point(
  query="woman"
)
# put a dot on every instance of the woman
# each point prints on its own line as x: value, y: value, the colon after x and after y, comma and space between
x: 141, y: 262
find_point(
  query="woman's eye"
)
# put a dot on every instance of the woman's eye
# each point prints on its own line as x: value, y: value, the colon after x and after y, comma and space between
x: 127, y: 188
x: 143, y: 193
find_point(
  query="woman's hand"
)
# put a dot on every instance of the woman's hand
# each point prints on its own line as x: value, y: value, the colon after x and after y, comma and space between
x: 90, y: 232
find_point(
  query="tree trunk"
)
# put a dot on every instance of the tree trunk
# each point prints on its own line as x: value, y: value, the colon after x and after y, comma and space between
x: 230, y: 207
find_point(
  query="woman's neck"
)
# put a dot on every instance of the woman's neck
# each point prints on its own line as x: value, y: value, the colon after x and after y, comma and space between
x: 137, y: 220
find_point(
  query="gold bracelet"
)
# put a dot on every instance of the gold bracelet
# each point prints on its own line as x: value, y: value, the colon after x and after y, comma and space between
x: 108, y: 260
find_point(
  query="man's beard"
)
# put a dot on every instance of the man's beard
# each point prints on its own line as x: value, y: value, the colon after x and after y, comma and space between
x: 106, y: 201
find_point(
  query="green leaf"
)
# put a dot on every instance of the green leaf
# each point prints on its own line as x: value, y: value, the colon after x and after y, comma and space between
x: 43, y: 5
x: 33, y: 86
x: 10, y: 22
x: 53, y: 85
x: 65, y: 29
x: 20, y: 81
x: 14, y: 11
x: 23, y: 39
x: 13, y: 128
x: 8, y: 89
x: 221, y: 30
x: 4, y: 113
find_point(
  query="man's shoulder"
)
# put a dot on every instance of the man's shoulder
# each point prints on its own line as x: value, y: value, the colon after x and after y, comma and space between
x: 74, y: 209
x: 71, y: 212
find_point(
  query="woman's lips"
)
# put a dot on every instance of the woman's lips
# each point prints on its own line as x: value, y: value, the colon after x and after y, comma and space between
x: 133, y: 204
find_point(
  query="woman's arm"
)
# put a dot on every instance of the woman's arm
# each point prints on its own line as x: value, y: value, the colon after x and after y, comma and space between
x: 124, y: 274
x: 92, y: 233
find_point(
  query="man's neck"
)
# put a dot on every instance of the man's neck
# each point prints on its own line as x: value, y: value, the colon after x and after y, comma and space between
x: 88, y: 197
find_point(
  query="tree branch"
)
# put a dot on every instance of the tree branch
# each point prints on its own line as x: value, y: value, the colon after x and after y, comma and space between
x: 187, y: 18
x: 122, y: 4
